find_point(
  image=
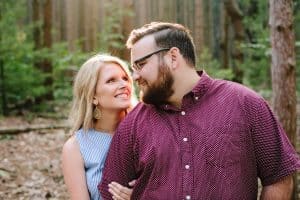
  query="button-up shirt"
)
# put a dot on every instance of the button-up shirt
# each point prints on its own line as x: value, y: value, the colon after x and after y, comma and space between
x: 215, y: 146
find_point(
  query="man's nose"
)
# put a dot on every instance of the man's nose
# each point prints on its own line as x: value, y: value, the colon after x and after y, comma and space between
x: 135, y: 75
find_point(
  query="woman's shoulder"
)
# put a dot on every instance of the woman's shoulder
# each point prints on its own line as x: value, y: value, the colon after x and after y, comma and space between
x: 71, y: 145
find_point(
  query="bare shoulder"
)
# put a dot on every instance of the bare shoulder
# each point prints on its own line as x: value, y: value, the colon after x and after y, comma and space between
x: 71, y: 145
x: 71, y: 150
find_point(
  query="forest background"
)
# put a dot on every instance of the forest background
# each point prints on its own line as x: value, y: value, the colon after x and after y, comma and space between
x: 44, y: 42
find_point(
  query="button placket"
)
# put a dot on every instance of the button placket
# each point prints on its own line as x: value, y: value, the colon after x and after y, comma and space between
x: 186, y: 155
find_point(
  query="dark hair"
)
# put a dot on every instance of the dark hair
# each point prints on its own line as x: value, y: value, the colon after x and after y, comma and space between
x: 167, y: 35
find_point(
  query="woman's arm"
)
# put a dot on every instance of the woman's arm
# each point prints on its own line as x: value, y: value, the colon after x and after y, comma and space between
x: 73, y: 170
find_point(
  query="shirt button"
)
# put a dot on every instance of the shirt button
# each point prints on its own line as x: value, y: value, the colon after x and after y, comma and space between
x: 187, y: 167
x: 185, y: 139
x: 187, y: 197
x: 196, y: 98
x: 182, y: 113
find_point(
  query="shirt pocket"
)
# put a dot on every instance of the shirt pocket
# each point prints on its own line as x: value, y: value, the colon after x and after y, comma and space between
x: 223, y: 146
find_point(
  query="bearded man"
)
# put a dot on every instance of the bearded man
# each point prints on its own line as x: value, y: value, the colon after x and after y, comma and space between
x: 194, y: 137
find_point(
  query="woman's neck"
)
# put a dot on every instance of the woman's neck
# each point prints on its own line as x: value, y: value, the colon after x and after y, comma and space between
x: 109, y: 121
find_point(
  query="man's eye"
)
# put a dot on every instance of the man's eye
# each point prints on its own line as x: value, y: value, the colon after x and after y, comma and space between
x: 125, y: 78
x: 141, y: 64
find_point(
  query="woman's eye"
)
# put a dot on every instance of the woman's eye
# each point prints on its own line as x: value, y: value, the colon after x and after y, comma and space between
x: 111, y: 80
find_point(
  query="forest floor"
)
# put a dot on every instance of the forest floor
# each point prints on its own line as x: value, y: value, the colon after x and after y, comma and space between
x: 30, y: 164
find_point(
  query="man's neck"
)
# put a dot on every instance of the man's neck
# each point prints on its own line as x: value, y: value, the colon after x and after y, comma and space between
x: 184, y: 82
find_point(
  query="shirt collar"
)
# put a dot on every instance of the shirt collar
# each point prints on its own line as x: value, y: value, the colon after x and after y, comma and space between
x: 198, y: 91
x: 203, y: 84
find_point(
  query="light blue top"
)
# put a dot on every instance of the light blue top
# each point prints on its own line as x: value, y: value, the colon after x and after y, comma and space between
x: 93, y: 146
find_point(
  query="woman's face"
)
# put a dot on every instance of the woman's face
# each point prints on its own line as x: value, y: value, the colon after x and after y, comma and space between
x: 114, y: 88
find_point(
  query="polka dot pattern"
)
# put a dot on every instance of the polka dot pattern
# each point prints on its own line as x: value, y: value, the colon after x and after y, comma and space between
x: 216, y: 146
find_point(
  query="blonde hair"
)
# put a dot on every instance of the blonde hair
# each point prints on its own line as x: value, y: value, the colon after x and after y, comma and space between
x: 81, y: 114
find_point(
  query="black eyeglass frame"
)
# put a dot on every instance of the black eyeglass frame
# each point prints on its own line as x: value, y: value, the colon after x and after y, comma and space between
x: 136, y: 65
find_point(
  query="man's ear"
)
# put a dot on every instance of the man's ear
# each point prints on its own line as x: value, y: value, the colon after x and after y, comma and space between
x: 174, y: 52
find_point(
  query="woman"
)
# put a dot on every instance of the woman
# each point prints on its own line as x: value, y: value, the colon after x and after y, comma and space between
x: 102, y: 96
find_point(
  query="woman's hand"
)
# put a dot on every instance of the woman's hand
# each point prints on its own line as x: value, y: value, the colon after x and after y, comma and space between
x: 120, y: 192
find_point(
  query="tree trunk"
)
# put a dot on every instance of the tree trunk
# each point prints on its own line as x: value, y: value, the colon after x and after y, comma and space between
x: 284, y: 66
x: 207, y: 25
x: 22, y: 129
x: 2, y: 80
x: 127, y: 26
x: 72, y: 23
x: 46, y: 67
x: 225, y: 41
x: 36, y: 19
x: 198, y: 26
x: 236, y: 17
x: 2, y: 87
x: 216, y: 28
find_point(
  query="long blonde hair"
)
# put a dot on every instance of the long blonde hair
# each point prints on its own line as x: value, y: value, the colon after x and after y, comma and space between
x: 81, y: 114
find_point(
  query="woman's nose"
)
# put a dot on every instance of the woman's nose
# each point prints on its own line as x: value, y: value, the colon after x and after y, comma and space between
x: 123, y: 83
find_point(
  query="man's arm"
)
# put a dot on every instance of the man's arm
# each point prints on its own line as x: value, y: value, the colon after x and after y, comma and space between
x: 281, y: 190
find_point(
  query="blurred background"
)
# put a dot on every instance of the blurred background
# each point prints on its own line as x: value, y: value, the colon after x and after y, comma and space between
x: 44, y: 42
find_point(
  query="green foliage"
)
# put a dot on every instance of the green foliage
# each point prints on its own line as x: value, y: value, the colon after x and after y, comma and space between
x: 65, y: 66
x: 256, y: 48
x: 21, y: 81
x: 212, y: 66
x: 257, y: 65
x: 111, y: 36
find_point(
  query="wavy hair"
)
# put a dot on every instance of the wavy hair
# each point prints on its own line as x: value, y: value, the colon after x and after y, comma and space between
x: 84, y: 87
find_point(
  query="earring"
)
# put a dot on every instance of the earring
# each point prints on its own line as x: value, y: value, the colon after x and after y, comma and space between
x: 97, y: 113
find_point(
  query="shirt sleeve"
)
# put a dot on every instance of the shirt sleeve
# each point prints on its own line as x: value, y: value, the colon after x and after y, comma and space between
x: 275, y: 156
x: 119, y: 164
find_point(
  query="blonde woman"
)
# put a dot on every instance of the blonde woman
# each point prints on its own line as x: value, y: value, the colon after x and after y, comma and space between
x: 102, y: 96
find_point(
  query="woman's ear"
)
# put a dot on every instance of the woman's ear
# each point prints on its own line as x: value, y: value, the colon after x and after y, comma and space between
x: 95, y: 101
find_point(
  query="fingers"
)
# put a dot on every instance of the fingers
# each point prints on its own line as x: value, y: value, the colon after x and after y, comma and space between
x: 119, y: 192
x: 132, y: 183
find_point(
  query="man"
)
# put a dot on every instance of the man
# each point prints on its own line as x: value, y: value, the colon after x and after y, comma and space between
x: 194, y: 137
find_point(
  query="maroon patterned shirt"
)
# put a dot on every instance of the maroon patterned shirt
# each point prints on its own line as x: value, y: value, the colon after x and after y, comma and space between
x: 215, y: 147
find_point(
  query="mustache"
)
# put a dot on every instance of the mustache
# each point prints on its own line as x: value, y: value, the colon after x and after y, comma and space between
x: 141, y: 82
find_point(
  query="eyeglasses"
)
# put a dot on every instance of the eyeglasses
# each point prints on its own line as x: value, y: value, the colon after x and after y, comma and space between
x: 137, y: 64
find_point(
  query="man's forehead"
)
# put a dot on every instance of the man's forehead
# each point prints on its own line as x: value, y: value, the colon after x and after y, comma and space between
x: 142, y: 47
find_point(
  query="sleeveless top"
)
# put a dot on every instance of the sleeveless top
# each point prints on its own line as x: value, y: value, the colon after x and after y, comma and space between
x: 93, y: 146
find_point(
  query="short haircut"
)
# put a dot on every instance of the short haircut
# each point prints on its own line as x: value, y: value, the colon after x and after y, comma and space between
x: 167, y: 35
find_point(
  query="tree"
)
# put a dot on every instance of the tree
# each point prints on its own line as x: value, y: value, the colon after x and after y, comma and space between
x: 2, y: 81
x: 236, y: 17
x: 283, y: 66
x: 47, y: 43
x: 198, y: 26
x: 43, y: 39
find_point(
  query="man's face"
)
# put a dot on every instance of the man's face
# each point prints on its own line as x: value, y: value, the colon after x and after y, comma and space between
x: 151, y: 72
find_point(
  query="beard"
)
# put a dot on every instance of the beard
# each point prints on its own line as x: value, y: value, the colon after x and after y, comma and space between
x: 161, y: 90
